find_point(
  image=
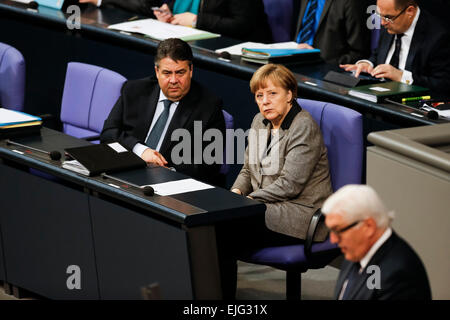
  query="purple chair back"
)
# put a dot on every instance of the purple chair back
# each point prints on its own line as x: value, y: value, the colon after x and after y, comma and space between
x: 342, y: 133
x: 12, y: 78
x: 90, y: 92
x: 229, y: 124
x: 279, y: 14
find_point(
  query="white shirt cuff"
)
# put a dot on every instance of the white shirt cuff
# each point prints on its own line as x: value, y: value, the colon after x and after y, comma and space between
x: 366, y: 61
x: 139, y: 149
x: 407, y: 77
x: 99, y: 3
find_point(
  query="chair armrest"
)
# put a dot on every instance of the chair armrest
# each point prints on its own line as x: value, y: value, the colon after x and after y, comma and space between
x: 91, y: 138
x: 317, y: 216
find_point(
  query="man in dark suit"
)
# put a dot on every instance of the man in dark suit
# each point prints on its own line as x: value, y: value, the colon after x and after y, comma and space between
x: 379, y: 264
x: 414, y: 48
x: 336, y: 27
x: 150, y: 110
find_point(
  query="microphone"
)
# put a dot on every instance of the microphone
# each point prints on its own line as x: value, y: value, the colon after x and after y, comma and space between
x: 146, y: 190
x: 54, y: 155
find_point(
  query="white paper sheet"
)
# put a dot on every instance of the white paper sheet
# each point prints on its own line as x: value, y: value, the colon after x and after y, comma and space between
x: 179, y: 186
x: 237, y: 49
x: 161, y: 31
x: 10, y: 117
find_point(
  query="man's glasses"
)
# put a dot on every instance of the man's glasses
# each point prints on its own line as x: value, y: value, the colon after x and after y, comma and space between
x: 342, y: 230
x: 390, y: 19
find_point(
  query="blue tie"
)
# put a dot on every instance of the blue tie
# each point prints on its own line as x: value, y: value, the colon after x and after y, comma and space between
x: 352, y: 278
x: 158, y: 128
x: 307, y: 29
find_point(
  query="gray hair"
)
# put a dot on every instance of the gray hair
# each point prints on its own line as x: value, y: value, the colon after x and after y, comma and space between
x: 358, y: 202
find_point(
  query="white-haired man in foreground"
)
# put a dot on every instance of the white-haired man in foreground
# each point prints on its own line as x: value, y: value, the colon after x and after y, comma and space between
x: 378, y: 264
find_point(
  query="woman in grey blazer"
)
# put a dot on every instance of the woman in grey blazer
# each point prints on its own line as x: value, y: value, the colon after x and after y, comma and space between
x: 286, y: 164
x: 286, y: 167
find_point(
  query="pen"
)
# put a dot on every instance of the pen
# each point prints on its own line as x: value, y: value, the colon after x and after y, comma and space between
x: 133, y: 18
x: 415, y: 98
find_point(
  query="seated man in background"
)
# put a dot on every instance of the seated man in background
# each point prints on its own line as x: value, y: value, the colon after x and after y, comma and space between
x: 243, y: 20
x: 414, y: 48
x: 336, y: 27
x: 150, y: 109
x: 379, y: 265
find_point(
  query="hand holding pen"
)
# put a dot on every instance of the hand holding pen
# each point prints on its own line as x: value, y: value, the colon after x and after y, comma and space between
x: 163, y: 13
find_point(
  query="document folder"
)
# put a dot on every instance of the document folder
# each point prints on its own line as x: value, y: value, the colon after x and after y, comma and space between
x: 103, y: 158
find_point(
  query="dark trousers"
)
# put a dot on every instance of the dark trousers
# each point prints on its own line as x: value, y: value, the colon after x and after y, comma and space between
x: 238, y: 240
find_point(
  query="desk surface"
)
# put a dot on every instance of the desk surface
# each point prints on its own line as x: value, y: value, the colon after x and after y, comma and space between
x: 190, y: 209
x: 95, y: 21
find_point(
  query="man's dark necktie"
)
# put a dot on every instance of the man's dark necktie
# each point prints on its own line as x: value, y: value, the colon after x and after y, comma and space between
x: 307, y: 28
x: 352, y: 278
x: 158, y: 128
x: 398, y: 46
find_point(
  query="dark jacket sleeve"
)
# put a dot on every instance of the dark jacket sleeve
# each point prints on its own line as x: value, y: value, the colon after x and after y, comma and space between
x: 113, y: 128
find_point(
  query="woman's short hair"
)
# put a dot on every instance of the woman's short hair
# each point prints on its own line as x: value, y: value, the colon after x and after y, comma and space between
x: 278, y: 74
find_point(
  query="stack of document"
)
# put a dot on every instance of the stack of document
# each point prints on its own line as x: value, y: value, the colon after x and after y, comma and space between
x: 74, y: 165
x: 160, y: 31
x: 16, y: 123
x: 237, y: 49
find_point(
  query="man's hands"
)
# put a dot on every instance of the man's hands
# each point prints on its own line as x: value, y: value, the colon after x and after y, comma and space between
x: 381, y: 71
x: 89, y: 1
x: 358, y: 68
x: 184, y: 19
x: 387, y: 71
x: 154, y: 157
x: 304, y: 46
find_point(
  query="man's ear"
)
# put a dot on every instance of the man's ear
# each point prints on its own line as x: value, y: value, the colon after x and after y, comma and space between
x: 371, y: 226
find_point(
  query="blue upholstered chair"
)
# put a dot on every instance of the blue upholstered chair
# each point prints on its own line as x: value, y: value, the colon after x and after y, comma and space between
x: 12, y: 78
x: 342, y: 132
x: 280, y: 15
x: 89, y: 94
x: 228, y: 143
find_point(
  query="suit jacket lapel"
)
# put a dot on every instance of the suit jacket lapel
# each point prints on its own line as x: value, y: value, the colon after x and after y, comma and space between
x: 418, y: 38
x: 385, y: 45
x: 324, y: 13
x: 148, y: 112
x: 180, y: 117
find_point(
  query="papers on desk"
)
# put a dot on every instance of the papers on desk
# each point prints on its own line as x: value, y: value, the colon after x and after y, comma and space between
x: 12, y: 117
x: 74, y: 165
x: 179, y: 186
x: 237, y: 49
x: 159, y: 30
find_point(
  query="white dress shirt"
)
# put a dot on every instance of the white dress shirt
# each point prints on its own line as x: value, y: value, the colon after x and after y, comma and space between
x: 406, y: 44
x: 139, y: 148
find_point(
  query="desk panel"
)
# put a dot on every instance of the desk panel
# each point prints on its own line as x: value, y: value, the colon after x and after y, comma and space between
x: 46, y: 228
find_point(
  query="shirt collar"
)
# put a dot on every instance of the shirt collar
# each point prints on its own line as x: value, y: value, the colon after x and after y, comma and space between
x: 381, y: 240
x: 163, y: 97
x: 289, y: 117
x: 409, y: 33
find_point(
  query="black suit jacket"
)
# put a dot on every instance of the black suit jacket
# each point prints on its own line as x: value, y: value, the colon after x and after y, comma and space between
x: 428, y: 57
x: 403, y: 276
x: 342, y: 35
x: 131, y: 117
x: 239, y: 19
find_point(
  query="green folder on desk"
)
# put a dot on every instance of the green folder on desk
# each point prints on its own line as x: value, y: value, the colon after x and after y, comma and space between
x: 392, y: 89
x: 264, y: 56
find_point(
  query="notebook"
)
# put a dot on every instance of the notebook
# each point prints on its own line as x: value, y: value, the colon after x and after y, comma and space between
x: 17, y: 124
x: 102, y: 158
x: 392, y: 90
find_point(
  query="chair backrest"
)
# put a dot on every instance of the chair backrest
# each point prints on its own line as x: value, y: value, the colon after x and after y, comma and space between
x: 229, y: 124
x: 374, y: 39
x: 280, y: 14
x: 343, y: 136
x: 12, y: 78
x: 89, y: 94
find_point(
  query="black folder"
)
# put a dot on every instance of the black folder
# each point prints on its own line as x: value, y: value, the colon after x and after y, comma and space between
x: 101, y: 158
